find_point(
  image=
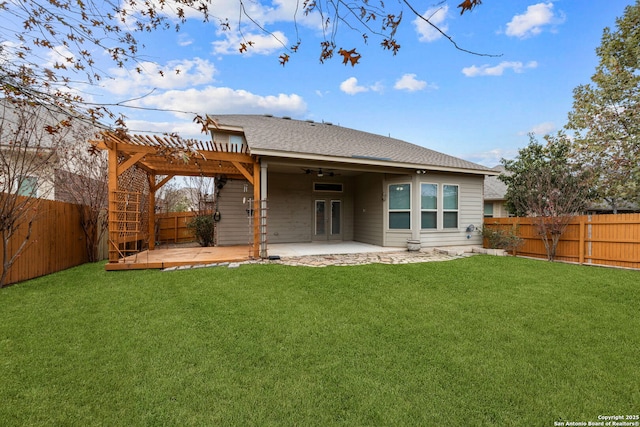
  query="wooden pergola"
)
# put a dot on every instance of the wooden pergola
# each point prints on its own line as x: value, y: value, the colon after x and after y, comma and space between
x: 162, y: 158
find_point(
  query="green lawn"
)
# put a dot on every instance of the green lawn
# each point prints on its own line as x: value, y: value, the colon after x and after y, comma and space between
x: 477, y: 341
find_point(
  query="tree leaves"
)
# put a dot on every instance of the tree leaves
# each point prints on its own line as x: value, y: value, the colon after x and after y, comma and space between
x: 468, y: 5
x: 605, y: 116
x: 543, y: 183
x: 349, y: 56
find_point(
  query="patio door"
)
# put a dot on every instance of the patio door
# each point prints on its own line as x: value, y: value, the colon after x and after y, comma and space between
x: 327, y: 219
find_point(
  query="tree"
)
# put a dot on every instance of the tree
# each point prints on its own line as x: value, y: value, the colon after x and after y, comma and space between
x: 82, y: 178
x: 203, y: 194
x: 29, y: 138
x: 543, y: 183
x: 171, y: 198
x: 51, y: 47
x: 606, y: 114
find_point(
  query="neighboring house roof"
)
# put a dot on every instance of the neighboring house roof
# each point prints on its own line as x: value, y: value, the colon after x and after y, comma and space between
x: 494, y: 189
x: 283, y: 137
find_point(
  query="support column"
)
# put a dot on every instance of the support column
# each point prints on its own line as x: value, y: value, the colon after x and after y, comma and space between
x: 256, y: 209
x: 113, y: 203
x: 152, y: 211
x: 263, y: 210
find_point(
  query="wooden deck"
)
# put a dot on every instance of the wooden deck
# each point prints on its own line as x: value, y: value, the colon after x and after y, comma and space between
x: 175, y: 257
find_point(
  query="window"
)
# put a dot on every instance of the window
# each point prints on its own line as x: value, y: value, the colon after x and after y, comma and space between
x: 450, y: 206
x: 27, y: 186
x: 400, y: 206
x: 236, y: 142
x: 327, y: 186
x: 488, y: 210
x: 429, y: 206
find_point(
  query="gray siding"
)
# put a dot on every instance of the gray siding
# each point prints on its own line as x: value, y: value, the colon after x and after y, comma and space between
x: 369, y: 209
x: 289, y: 208
x: 234, y: 227
x: 470, y: 212
x: 290, y: 217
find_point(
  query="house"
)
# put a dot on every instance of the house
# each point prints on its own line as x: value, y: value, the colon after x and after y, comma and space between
x: 281, y: 180
x: 42, y: 151
x: 494, y: 196
x: 324, y: 182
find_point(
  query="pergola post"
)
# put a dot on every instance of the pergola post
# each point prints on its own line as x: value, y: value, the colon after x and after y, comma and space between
x: 152, y: 211
x: 113, y: 188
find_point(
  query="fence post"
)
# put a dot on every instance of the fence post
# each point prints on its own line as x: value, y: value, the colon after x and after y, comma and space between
x: 581, y: 247
x: 175, y: 229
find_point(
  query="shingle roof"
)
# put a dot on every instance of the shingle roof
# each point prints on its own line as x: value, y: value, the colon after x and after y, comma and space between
x: 494, y: 189
x: 270, y: 135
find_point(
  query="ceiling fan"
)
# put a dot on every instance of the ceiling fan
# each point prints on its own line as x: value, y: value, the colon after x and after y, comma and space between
x: 319, y: 172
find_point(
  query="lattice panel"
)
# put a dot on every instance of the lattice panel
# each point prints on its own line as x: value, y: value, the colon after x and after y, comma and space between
x: 128, y: 225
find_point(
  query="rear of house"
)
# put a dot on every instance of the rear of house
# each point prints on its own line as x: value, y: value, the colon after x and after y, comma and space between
x: 323, y: 182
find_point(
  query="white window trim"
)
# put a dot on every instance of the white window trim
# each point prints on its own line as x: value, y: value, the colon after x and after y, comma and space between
x: 451, y: 210
x: 389, y: 210
x: 436, y: 210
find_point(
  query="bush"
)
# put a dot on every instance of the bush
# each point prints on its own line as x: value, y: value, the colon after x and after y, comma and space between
x: 203, y: 227
x: 501, y: 238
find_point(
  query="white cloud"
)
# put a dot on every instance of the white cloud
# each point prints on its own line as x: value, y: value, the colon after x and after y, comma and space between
x: 262, y: 44
x: 173, y: 75
x: 351, y: 87
x: 498, y: 70
x: 532, y: 21
x: 491, y: 158
x: 541, y: 129
x: 185, y: 128
x: 409, y: 83
x: 437, y: 17
x: 184, y: 40
x: 60, y: 55
x: 223, y: 100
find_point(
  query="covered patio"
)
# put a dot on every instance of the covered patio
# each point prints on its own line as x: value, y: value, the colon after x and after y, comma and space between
x: 168, y: 257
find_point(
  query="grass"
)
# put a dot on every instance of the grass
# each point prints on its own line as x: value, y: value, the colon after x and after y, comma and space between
x: 478, y: 341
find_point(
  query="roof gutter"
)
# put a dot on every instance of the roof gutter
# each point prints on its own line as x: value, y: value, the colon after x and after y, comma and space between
x: 369, y: 161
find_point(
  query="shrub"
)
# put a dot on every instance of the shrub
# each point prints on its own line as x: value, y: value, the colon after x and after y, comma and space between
x: 203, y: 227
x: 500, y: 238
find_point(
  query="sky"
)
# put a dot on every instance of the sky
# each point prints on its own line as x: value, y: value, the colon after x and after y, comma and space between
x: 479, y: 108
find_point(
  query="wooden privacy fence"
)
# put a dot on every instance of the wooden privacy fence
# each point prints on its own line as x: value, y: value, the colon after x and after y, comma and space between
x: 57, y: 242
x: 172, y: 227
x: 612, y: 240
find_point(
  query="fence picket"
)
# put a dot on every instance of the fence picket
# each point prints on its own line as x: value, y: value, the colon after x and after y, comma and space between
x: 612, y: 240
x: 57, y: 242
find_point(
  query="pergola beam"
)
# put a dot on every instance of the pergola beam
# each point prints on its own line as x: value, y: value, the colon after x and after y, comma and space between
x: 122, y: 168
x: 156, y: 186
